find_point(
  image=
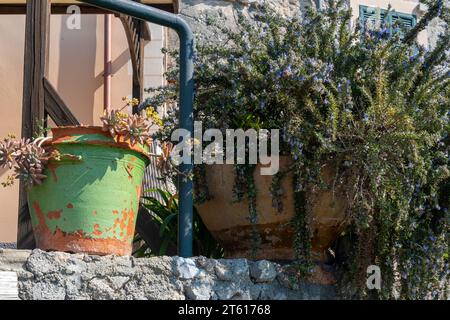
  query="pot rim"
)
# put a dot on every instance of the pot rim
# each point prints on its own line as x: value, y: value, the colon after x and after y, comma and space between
x: 58, y: 137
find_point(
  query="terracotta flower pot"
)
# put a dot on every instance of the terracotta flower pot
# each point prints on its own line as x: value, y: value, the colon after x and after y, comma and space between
x: 229, y: 224
x: 89, y: 200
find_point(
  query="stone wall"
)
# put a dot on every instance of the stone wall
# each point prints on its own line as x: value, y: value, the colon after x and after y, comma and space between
x: 58, y: 275
x: 191, y: 10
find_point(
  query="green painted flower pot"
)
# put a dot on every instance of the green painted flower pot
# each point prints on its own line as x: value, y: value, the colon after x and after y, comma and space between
x: 89, y: 201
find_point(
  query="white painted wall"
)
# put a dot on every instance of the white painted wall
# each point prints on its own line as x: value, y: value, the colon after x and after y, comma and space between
x: 154, y: 60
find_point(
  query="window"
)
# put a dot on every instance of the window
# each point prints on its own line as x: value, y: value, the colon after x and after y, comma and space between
x: 395, y: 21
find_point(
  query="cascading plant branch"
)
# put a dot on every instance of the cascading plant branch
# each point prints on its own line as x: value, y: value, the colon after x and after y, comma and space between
x: 28, y: 157
x: 373, y: 100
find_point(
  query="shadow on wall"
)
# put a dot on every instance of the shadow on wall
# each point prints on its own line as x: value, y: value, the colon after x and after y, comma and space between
x: 77, y: 81
x: 116, y: 65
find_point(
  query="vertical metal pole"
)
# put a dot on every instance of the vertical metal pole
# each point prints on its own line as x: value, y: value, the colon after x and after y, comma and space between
x: 185, y: 227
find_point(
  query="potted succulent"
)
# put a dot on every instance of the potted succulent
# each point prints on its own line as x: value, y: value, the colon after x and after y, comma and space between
x: 84, y: 182
x: 364, y: 122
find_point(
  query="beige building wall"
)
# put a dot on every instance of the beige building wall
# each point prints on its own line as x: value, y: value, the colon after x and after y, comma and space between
x: 76, y: 71
x: 12, y: 29
x: 154, y: 64
x: 76, y: 65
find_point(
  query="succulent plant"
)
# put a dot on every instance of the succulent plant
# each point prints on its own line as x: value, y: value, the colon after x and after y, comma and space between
x: 31, y: 173
x: 7, y: 152
x: 31, y: 160
x: 27, y: 150
x: 136, y: 129
x: 28, y: 159
x: 111, y: 121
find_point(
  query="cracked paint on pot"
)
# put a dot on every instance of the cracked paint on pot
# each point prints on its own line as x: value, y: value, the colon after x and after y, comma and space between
x: 89, y: 201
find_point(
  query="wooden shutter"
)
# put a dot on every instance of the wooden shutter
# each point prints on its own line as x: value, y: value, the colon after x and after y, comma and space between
x: 405, y: 20
x: 370, y: 17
